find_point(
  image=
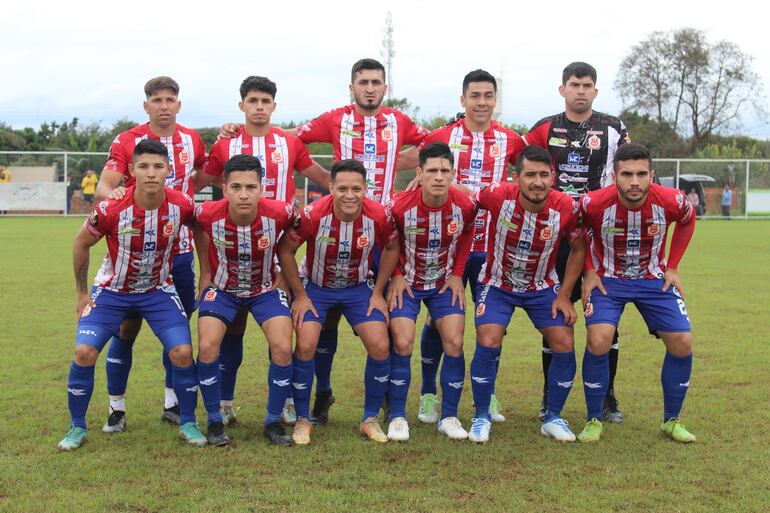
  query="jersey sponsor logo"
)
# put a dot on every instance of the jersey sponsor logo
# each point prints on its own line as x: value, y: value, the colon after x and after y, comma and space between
x: 351, y: 133
x: 476, y: 163
x: 263, y: 242
x: 452, y: 227
x: 362, y: 241
x: 480, y: 222
x: 387, y: 134
x: 434, y: 243
x: 277, y: 157
x: 343, y: 255
x: 414, y: 230
x: 149, y: 246
x: 573, y: 158
x: 653, y: 229
x: 557, y: 141
x: 244, y: 257
x: 612, y: 229
x: 370, y: 149
x: 546, y: 234
x: 211, y: 295
x: 458, y: 147
x: 130, y: 231
x: 327, y: 240
x: 509, y: 224
x: 184, y: 157
x: 594, y: 143
x: 494, y: 151
x: 168, y: 229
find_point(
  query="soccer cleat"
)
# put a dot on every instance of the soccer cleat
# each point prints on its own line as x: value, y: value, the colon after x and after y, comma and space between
x: 74, y: 438
x: 398, y: 430
x: 428, y: 409
x: 171, y: 415
x: 289, y: 413
x: 543, y: 405
x: 116, y: 422
x: 320, y: 413
x: 591, y: 432
x: 610, y: 411
x: 674, y: 429
x: 192, y: 434
x: 228, y: 415
x: 371, y: 429
x: 276, y: 433
x: 494, y: 410
x: 217, y: 434
x: 480, y: 428
x: 302, y: 430
x: 451, y: 427
x: 557, y: 428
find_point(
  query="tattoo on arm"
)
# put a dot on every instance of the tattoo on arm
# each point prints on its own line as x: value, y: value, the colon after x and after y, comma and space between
x: 81, y: 277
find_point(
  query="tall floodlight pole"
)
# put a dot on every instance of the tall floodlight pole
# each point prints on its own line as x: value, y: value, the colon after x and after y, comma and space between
x: 388, y: 51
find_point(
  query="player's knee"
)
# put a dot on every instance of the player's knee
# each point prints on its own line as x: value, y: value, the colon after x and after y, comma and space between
x: 679, y: 344
x: 281, y: 354
x: 181, y: 356
x: 598, y: 345
x: 402, y: 345
x: 453, y: 346
x: 561, y: 343
x: 129, y: 328
x: 85, y: 355
x: 489, y: 338
x: 305, y: 349
x: 208, y: 350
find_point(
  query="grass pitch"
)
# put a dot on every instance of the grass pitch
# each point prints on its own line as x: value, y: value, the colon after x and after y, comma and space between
x: 633, y: 468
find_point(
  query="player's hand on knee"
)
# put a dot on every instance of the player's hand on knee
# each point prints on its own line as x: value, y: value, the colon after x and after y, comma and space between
x: 591, y: 281
x: 398, y: 286
x: 301, y: 305
x: 84, y: 305
x: 377, y: 302
x: 671, y: 277
x: 117, y: 193
x: 455, y: 284
x: 564, y: 305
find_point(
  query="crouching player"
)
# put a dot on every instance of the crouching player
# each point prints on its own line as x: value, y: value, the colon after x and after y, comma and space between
x: 435, y: 223
x: 341, y: 230
x: 627, y: 225
x: 141, y: 229
x: 236, y: 238
x: 528, y: 221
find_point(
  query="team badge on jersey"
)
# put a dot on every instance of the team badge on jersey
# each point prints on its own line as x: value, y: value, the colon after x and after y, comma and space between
x: 168, y: 229
x: 86, y: 311
x: 211, y: 295
x: 594, y: 143
x: 184, y: 157
x: 277, y: 157
x: 481, y: 309
x: 93, y: 218
x: 546, y: 234
x: 653, y: 229
x: 263, y: 242
x: 362, y: 241
x: 494, y: 151
x: 589, y: 309
x: 387, y: 134
x: 452, y: 227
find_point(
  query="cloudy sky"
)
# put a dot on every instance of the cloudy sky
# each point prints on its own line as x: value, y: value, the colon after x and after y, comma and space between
x: 91, y: 59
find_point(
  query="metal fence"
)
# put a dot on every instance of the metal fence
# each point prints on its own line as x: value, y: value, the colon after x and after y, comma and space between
x: 54, y: 187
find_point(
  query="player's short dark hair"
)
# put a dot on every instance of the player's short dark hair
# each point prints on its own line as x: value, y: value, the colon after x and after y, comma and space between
x: 260, y: 84
x: 631, y: 151
x: 478, y: 75
x: 151, y: 147
x: 534, y: 154
x: 365, y: 64
x: 243, y: 163
x: 579, y: 70
x: 348, y: 166
x: 159, y: 84
x: 436, y: 150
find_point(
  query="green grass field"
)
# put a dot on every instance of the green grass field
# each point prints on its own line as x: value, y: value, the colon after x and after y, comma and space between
x: 148, y: 469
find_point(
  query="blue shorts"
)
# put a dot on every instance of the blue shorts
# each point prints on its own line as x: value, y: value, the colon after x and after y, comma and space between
x: 161, y: 308
x: 225, y: 306
x: 353, y: 301
x: 472, y: 271
x: 496, y: 306
x: 661, y: 311
x: 183, y: 275
x: 439, y: 305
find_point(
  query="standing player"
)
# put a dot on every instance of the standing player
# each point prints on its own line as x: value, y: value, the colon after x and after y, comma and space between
x: 185, y: 151
x: 528, y: 221
x: 627, y: 226
x: 582, y: 143
x: 141, y: 230
x: 482, y: 150
x: 342, y: 231
x: 279, y: 153
x: 435, y: 221
x: 237, y: 237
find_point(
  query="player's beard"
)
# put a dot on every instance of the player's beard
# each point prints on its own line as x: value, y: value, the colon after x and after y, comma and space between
x: 365, y: 105
x: 534, y: 201
x: 641, y: 199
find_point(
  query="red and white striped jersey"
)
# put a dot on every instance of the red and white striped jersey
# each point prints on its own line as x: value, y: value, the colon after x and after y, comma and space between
x: 481, y: 159
x: 278, y: 152
x: 631, y: 244
x: 373, y: 140
x: 339, y: 253
x: 139, y: 242
x: 186, y: 152
x: 242, y: 257
x: 522, y: 249
x: 435, y: 241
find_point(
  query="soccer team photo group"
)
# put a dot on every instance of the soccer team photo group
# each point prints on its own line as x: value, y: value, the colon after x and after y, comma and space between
x: 567, y: 224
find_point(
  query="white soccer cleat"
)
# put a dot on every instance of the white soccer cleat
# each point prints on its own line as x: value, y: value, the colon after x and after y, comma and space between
x: 398, y: 430
x: 558, y: 429
x: 428, y: 409
x: 451, y: 427
x: 479, y: 432
x: 494, y: 410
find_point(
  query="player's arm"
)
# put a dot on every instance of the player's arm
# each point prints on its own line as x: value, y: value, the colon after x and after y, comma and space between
x: 683, y: 231
x: 109, y: 183
x: 317, y: 174
x: 81, y: 252
x: 287, y: 251
x: 575, y: 263
x: 408, y: 158
x: 200, y: 179
x: 202, y: 249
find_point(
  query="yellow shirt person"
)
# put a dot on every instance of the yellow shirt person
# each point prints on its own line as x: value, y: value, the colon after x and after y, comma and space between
x: 5, y: 174
x: 88, y: 185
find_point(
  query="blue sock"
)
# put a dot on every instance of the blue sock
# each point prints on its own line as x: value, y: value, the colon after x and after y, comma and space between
x: 208, y: 379
x: 452, y: 379
x: 483, y: 378
x: 230, y: 358
x: 561, y: 373
x: 431, y: 350
x: 497, y: 368
x: 302, y: 383
x: 80, y: 386
x: 169, y: 369
x: 596, y: 376
x: 376, y: 376
x: 400, y: 378
x: 324, y: 358
x: 675, y: 378
x: 186, y: 389
x: 120, y: 356
x: 278, y: 386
